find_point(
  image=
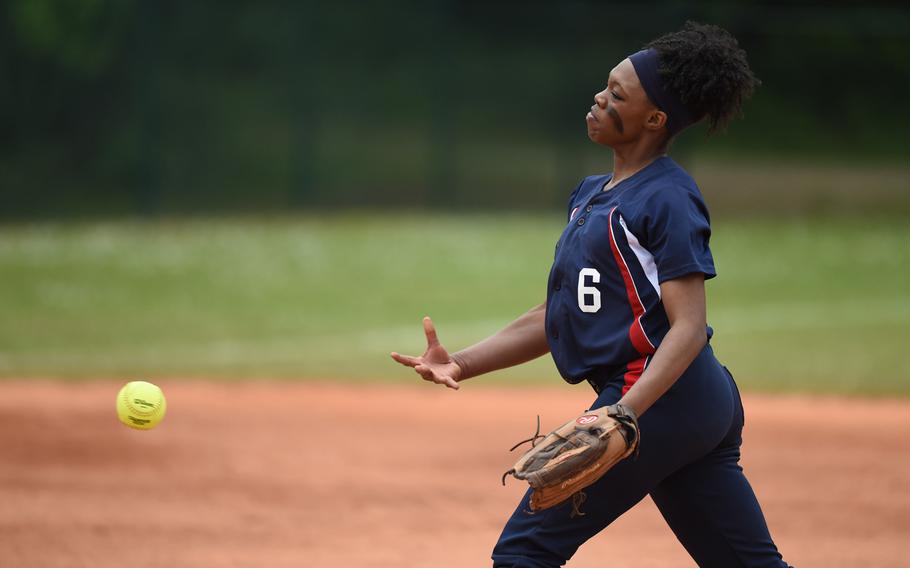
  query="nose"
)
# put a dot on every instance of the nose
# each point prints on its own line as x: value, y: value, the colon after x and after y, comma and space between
x: 601, y: 98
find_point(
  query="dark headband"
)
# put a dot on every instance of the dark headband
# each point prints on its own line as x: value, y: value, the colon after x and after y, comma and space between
x: 647, y: 63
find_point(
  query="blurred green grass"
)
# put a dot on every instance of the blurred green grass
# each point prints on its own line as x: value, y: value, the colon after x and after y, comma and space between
x: 817, y: 306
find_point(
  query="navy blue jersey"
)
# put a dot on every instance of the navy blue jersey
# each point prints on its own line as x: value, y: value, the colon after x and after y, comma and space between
x: 604, y: 310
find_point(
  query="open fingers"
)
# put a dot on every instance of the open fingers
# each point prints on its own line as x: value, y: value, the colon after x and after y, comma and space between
x: 429, y: 375
x: 405, y: 360
x: 430, y: 330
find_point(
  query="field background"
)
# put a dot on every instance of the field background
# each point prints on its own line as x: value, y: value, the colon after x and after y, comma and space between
x: 252, y: 204
x: 817, y: 305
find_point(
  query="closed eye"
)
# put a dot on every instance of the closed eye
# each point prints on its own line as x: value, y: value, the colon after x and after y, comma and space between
x: 615, y: 96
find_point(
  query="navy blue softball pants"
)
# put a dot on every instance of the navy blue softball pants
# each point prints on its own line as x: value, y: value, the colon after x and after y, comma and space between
x: 688, y: 463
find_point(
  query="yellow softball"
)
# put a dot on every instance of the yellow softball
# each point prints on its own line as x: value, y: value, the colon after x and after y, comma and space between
x: 140, y: 405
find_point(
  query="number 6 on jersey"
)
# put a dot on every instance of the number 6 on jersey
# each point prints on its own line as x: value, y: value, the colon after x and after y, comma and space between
x: 588, y: 291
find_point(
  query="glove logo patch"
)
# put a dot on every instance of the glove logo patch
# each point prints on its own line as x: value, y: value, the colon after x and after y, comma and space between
x: 587, y: 419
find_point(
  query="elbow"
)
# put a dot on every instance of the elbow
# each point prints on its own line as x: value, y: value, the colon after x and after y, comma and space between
x: 693, y: 332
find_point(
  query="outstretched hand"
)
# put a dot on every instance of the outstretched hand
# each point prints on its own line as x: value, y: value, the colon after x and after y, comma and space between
x: 434, y: 365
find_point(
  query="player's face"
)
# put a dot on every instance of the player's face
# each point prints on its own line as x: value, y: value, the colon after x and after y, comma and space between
x: 620, y: 111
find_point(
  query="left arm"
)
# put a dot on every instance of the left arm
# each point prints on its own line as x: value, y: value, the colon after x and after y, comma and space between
x: 684, y: 301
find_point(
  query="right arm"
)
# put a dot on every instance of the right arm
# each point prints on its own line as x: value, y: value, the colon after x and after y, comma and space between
x: 520, y: 341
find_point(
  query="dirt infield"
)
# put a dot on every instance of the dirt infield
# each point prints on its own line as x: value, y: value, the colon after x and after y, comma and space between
x: 319, y: 475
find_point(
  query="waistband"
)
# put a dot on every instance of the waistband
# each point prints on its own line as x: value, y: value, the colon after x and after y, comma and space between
x: 601, y: 377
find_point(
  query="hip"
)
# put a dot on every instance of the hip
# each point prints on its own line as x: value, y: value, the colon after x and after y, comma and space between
x: 705, y: 379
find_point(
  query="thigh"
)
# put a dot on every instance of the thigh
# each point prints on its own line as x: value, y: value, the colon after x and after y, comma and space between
x: 712, y: 509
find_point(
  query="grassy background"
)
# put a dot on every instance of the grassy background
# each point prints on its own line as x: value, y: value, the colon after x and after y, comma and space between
x: 819, y: 306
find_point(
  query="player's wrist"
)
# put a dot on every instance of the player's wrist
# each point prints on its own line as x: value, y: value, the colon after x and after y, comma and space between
x: 461, y: 367
x: 621, y: 409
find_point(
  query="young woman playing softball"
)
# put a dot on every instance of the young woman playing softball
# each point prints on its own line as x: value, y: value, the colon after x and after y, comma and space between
x: 625, y: 311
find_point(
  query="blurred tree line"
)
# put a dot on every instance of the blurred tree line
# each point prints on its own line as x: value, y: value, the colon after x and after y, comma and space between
x: 162, y: 106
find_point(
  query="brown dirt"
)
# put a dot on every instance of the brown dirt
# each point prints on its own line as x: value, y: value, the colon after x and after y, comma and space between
x: 312, y: 475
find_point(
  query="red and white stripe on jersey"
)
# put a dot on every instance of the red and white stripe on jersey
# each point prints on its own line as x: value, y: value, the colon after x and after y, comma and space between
x: 645, y: 258
x: 637, y: 334
x: 633, y: 372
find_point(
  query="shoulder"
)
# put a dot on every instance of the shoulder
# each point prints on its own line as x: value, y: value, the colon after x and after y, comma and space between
x: 670, y: 181
x: 669, y: 201
x: 668, y: 188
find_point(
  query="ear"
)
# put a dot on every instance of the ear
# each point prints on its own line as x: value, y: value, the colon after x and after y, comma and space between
x: 656, y: 120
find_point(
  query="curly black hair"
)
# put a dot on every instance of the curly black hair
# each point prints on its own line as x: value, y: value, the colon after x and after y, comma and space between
x: 705, y: 65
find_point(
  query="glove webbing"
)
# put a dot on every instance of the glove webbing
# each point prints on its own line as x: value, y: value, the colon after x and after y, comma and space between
x: 533, y: 439
x: 578, y: 498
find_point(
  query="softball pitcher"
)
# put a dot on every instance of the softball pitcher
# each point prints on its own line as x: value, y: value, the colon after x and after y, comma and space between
x: 625, y: 311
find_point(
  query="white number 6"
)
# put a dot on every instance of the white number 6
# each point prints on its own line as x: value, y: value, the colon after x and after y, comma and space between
x: 584, y: 291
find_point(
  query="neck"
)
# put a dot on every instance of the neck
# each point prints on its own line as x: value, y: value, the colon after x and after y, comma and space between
x: 631, y: 158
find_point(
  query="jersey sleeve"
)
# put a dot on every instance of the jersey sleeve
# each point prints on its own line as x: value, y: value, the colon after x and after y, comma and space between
x: 677, y: 230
